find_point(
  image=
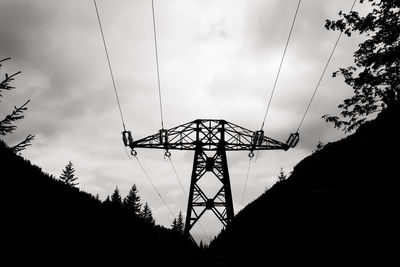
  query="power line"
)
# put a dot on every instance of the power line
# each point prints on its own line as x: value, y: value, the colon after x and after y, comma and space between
x: 158, y: 68
x: 119, y: 105
x: 109, y: 65
x: 177, y: 176
x: 274, y: 86
x: 245, y: 183
x: 323, y: 73
x: 184, y: 192
x: 280, y: 65
x: 154, y: 186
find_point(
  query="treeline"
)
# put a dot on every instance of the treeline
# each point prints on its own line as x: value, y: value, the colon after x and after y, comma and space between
x: 46, y: 219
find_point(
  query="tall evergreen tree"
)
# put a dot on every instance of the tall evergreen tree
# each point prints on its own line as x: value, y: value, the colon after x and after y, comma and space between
x: 180, y: 223
x: 174, y: 225
x: 177, y: 224
x: 107, y: 202
x: 68, y: 175
x: 116, y: 199
x: 132, y: 201
x: 281, y: 176
x: 147, y: 215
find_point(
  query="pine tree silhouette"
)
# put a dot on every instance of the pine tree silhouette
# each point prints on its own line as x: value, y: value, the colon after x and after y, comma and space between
x: 68, y: 176
x: 116, y: 199
x: 132, y: 201
x: 180, y: 223
x: 281, y: 176
x: 177, y: 224
x: 147, y: 215
x: 174, y: 225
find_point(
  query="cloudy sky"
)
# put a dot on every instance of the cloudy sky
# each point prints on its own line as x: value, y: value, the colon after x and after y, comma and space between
x: 218, y: 59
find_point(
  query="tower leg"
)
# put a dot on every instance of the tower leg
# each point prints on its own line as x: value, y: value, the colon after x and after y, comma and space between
x: 198, y: 203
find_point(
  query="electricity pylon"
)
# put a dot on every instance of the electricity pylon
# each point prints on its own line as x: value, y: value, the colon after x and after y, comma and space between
x: 209, y: 139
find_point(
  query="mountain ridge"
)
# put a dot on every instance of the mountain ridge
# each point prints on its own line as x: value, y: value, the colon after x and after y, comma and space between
x: 336, y: 208
x: 48, y: 222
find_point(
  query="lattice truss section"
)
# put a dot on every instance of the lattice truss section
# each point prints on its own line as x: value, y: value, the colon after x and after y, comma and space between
x: 221, y: 203
x: 209, y: 133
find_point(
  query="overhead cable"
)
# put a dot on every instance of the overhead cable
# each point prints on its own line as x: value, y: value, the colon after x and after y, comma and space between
x: 323, y: 73
x: 109, y: 65
x: 157, y: 64
x: 280, y: 64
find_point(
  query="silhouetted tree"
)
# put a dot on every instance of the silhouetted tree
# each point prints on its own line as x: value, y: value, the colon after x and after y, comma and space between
x: 177, y: 224
x: 180, y: 223
x: 281, y: 176
x: 147, y: 215
x: 174, y: 225
x: 7, y: 125
x: 375, y: 77
x: 116, y: 199
x: 68, y: 175
x: 201, y: 246
x: 320, y: 145
x: 132, y: 201
x: 107, y: 202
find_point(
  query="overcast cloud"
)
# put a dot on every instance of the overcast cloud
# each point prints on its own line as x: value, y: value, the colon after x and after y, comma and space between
x: 218, y: 59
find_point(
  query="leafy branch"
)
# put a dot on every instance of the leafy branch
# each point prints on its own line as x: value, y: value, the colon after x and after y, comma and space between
x: 375, y: 77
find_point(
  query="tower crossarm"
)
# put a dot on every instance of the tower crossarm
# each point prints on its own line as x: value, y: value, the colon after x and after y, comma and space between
x: 210, y: 134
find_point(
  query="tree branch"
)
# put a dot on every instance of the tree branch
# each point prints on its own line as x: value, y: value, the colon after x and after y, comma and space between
x: 6, y: 124
x: 22, y: 145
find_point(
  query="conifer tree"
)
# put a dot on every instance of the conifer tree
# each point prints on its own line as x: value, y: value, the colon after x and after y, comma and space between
x: 281, y: 176
x: 132, y: 201
x: 201, y: 246
x: 180, y: 223
x: 68, y: 175
x: 107, y: 201
x: 147, y: 215
x: 174, y: 225
x: 177, y: 224
x: 7, y: 125
x: 116, y: 199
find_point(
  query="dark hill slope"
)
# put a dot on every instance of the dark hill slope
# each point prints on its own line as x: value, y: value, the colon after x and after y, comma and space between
x: 339, y: 207
x: 45, y: 221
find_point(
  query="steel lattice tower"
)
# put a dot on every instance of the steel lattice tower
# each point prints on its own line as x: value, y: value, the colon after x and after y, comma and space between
x: 209, y: 139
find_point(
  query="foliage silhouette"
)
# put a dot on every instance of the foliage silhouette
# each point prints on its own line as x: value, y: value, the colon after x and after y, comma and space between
x: 282, y: 176
x: 147, y: 215
x: 116, y: 199
x: 375, y: 78
x: 7, y: 125
x: 68, y: 175
x: 178, y: 224
x: 319, y: 146
x: 132, y: 201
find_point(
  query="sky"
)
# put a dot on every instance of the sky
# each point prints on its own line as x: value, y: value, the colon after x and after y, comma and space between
x: 218, y: 59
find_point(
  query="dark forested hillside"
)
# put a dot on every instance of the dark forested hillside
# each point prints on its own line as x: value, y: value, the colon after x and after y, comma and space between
x: 339, y: 207
x: 47, y: 221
